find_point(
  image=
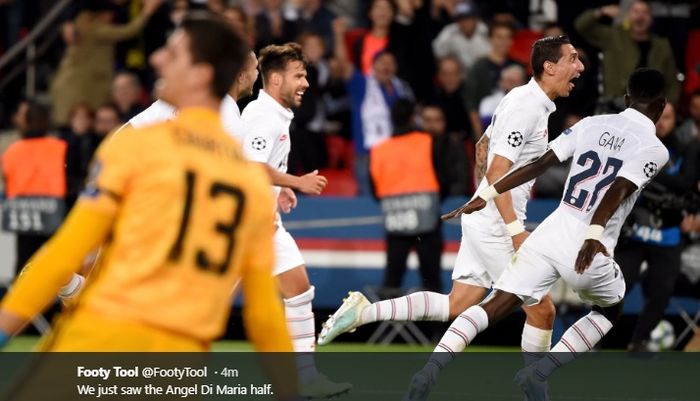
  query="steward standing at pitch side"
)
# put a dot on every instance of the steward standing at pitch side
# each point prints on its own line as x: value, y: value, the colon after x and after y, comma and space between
x: 408, y: 188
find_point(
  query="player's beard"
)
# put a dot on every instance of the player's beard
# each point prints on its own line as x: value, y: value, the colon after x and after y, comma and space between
x: 290, y: 98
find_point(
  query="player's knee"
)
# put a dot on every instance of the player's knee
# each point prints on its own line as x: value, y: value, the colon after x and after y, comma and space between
x: 500, y: 305
x: 542, y: 315
x: 457, y: 305
x: 462, y: 297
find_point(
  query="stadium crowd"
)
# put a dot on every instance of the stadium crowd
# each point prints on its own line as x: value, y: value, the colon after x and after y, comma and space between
x: 455, y: 59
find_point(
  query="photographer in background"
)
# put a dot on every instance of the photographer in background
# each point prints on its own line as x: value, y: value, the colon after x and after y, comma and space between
x: 654, y: 230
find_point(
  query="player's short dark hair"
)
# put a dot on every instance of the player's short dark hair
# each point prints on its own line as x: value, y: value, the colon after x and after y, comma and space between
x: 646, y: 85
x: 213, y: 41
x: 274, y: 58
x: 402, y: 113
x: 546, y: 49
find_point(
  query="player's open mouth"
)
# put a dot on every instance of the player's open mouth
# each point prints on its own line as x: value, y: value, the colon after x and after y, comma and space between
x: 572, y: 85
x: 300, y: 94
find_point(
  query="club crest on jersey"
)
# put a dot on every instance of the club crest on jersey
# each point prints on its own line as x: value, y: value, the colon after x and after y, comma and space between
x: 650, y: 169
x: 259, y: 143
x: 283, y: 137
x: 515, y: 139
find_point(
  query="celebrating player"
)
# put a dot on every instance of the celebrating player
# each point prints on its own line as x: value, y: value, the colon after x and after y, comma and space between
x: 267, y: 141
x: 517, y: 134
x: 614, y: 156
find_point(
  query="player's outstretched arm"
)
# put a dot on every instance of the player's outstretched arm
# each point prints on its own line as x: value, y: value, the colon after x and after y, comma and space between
x: 527, y: 172
x: 52, y: 266
x: 620, y: 189
x: 504, y: 183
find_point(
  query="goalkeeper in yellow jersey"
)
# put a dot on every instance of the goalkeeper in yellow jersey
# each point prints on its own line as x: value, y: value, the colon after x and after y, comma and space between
x: 183, y: 214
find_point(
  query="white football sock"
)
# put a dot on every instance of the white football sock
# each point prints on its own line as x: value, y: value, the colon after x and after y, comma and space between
x: 535, y: 343
x: 302, y: 330
x: 461, y: 332
x: 421, y: 305
x: 581, y: 337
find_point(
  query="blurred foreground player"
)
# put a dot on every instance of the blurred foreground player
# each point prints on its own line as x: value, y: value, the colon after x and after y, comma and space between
x: 184, y: 216
x: 614, y: 157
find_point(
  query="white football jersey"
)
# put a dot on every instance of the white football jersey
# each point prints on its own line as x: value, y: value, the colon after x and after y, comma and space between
x: 267, y: 137
x: 157, y: 112
x: 161, y: 111
x: 603, y: 148
x: 518, y: 132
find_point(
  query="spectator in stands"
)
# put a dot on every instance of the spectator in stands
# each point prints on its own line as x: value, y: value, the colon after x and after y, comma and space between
x: 410, y: 41
x: 315, y: 17
x: 376, y: 39
x: 80, y: 140
x: 485, y: 74
x: 625, y: 49
x: 273, y: 25
x: 372, y: 97
x: 449, y: 96
x: 336, y: 101
x: 126, y: 94
x: 409, y: 191
x: 450, y: 154
x: 466, y: 38
x: 656, y: 236
x: 106, y: 120
x: 19, y: 125
x: 308, y: 151
x: 85, y: 73
x: 552, y: 29
x: 511, y: 76
x: 34, y: 172
x: 690, y: 128
x: 241, y: 22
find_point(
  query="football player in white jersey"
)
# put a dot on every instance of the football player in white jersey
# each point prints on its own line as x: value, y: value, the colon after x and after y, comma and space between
x: 614, y: 157
x: 517, y: 134
x: 161, y: 111
x: 267, y: 120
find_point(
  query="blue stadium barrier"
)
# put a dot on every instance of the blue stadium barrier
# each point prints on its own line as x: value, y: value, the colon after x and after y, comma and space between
x: 359, y: 219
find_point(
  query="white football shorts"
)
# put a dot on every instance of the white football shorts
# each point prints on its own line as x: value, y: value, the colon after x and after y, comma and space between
x: 549, y: 253
x: 482, y: 257
x: 287, y: 254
